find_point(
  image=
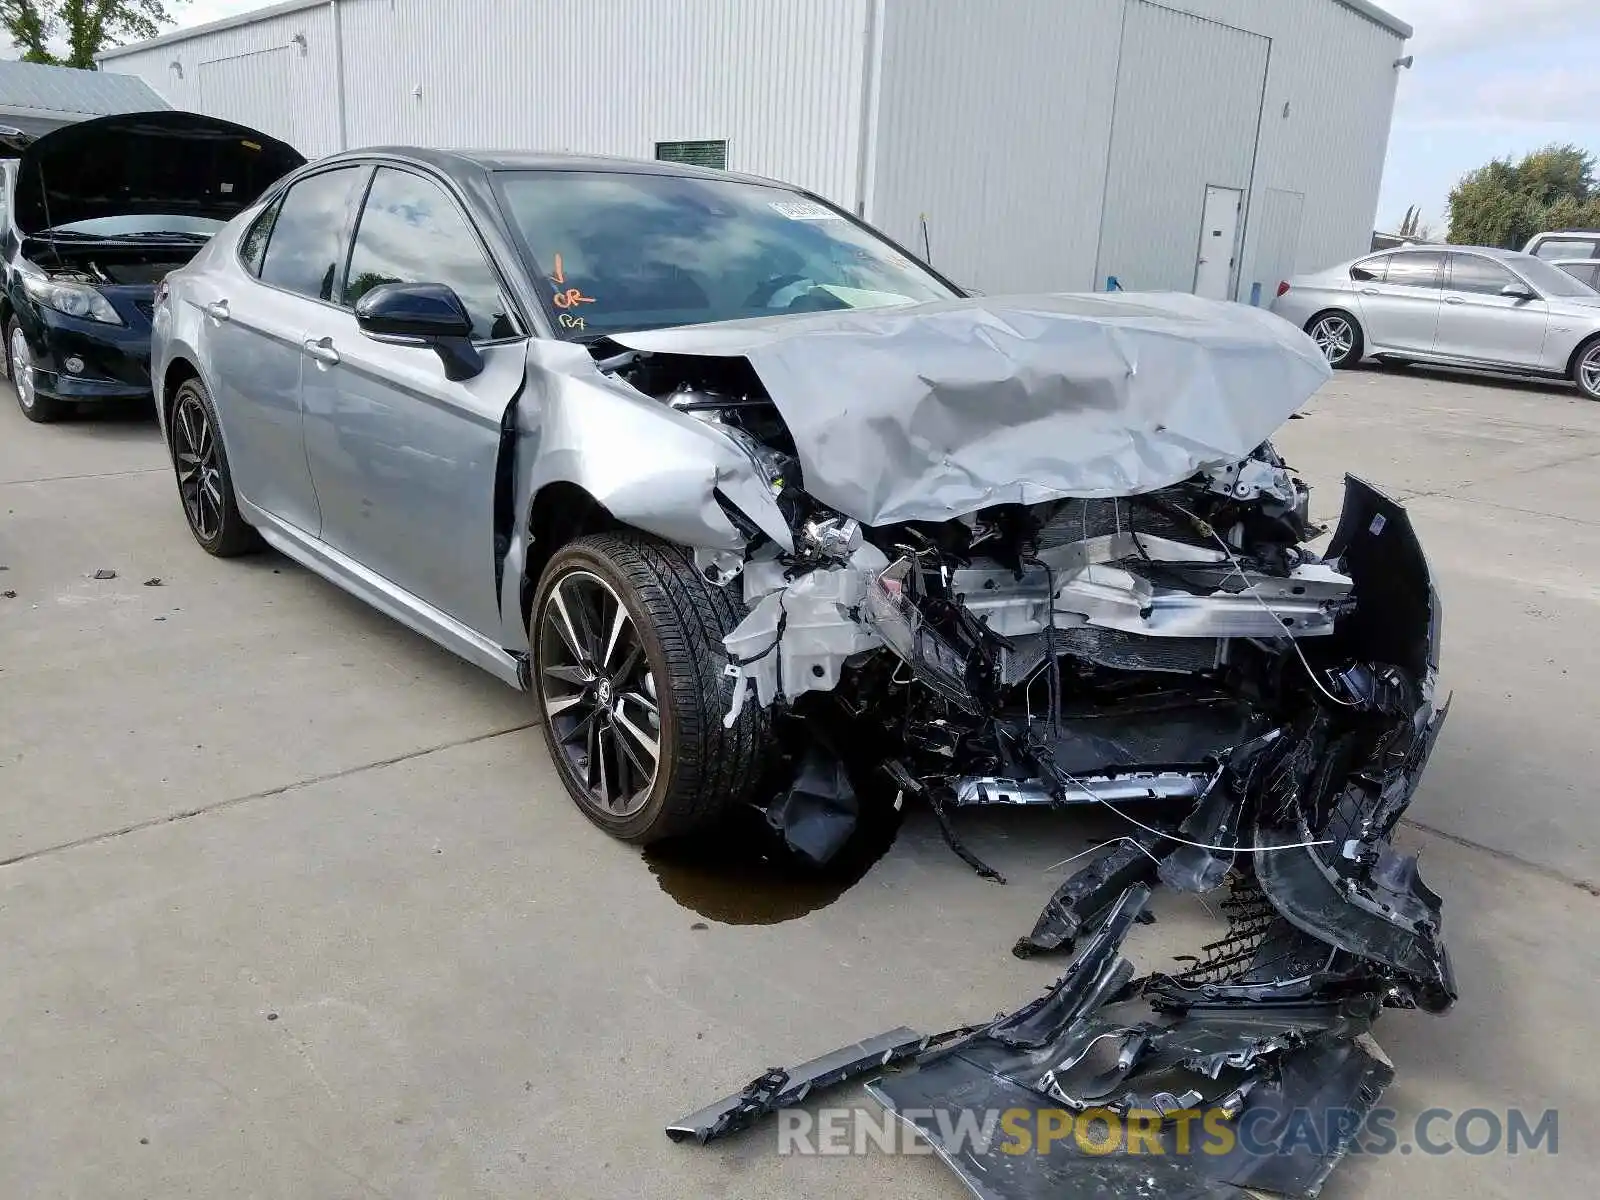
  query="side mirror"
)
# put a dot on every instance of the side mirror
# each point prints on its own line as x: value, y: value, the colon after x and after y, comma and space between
x: 1517, y: 292
x: 422, y: 314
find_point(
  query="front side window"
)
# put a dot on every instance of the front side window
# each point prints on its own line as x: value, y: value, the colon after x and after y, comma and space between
x: 307, y: 239
x: 1479, y: 276
x: 617, y: 251
x: 1416, y: 270
x: 1568, y: 248
x: 1371, y: 270
x: 411, y: 232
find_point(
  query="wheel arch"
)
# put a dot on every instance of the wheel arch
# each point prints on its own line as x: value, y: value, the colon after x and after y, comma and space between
x: 1333, y: 310
x: 1578, y: 351
x: 560, y: 512
x: 180, y: 369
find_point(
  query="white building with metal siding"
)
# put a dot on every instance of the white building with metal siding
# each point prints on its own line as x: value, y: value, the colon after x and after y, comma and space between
x: 1027, y: 145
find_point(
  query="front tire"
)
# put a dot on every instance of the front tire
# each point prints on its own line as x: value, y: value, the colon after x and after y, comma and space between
x: 627, y: 643
x: 1586, y: 369
x: 1338, y: 335
x: 205, y: 485
x: 46, y: 410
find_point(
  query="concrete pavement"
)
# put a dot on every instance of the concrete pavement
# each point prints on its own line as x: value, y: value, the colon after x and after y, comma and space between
x: 293, y: 904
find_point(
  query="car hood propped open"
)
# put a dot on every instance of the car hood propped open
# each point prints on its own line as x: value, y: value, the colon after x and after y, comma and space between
x: 137, y: 163
x: 931, y: 411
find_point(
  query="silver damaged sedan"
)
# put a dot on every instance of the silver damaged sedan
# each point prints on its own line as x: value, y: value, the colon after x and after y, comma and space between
x: 1460, y: 306
x: 767, y: 515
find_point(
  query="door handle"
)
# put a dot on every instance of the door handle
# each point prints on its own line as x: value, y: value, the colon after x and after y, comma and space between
x: 1454, y: 300
x: 218, y: 310
x: 322, y: 350
x: 1369, y: 291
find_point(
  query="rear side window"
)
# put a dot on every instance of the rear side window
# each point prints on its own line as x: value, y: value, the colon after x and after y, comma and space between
x: 1415, y: 270
x: 1588, y: 273
x: 253, y: 245
x: 1568, y: 248
x: 307, y: 239
x: 1470, y: 273
x: 412, y: 232
x: 1371, y: 270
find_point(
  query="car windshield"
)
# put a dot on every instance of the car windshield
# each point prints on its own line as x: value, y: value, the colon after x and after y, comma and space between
x: 1550, y: 280
x: 623, y: 251
x: 138, y: 223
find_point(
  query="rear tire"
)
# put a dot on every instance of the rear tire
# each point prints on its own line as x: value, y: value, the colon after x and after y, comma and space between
x: 627, y: 646
x: 1338, y: 336
x: 205, y: 485
x: 46, y: 410
x: 1586, y: 368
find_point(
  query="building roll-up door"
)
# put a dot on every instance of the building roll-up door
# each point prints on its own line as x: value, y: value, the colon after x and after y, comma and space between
x: 1184, y: 131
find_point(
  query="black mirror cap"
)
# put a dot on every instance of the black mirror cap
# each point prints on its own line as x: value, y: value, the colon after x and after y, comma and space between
x: 427, y: 311
x: 423, y: 314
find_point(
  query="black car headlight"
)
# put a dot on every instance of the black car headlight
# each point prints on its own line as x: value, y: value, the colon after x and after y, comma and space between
x: 79, y: 300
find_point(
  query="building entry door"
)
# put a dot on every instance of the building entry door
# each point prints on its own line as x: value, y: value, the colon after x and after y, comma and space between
x: 1219, y: 243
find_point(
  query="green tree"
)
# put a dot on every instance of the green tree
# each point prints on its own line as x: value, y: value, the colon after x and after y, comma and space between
x: 1504, y: 203
x: 83, y: 27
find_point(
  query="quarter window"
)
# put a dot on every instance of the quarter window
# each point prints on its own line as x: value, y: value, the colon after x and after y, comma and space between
x: 1415, y: 270
x: 307, y: 240
x: 1371, y: 270
x: 1470, y: 273
x: 411, y: 232
x: 253, y: 245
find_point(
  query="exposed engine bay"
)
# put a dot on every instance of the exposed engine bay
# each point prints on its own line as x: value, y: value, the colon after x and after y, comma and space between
x: 1181, y: 644
x: 111, y: 262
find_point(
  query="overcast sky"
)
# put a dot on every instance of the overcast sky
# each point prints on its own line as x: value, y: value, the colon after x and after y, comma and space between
x: 1492, y: 77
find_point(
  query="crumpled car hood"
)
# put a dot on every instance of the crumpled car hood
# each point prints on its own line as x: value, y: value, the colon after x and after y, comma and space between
x: 932, y: 411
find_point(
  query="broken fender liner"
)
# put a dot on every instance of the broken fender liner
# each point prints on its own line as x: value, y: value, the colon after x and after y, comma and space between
x: 1293, y: 1128
x: 779, y: 1088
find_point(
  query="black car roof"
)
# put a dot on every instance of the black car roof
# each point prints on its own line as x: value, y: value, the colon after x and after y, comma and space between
x: 475, y: 162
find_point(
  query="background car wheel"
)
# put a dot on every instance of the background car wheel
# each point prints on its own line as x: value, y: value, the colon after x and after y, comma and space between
x: 1586, y: 369
x: 628, y: 658
x: 204, y: 483
x: 1338, y: 336
x: 19, y: 366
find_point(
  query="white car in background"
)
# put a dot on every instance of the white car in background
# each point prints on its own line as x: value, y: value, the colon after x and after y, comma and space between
x: 1460, y: 306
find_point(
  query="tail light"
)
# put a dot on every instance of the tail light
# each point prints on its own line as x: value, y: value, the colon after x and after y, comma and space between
x: 1283, y: 288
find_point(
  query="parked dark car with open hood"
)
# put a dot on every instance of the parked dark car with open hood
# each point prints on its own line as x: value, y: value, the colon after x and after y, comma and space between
x: 96, y: 215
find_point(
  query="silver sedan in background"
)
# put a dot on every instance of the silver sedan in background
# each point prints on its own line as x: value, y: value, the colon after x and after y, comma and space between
x: 1461, y: 306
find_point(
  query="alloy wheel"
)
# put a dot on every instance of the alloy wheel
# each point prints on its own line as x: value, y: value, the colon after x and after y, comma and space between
x: 194, y: 449
x: 1334, y: 337
x: 1589, y: 371
x: 599, y: 693
x: 22, y: 368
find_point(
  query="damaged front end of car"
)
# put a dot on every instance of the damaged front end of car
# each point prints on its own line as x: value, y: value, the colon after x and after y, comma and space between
x: 1056, y: 561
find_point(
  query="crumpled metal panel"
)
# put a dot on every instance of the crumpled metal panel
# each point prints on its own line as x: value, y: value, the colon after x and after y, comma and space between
x: 931, y: 411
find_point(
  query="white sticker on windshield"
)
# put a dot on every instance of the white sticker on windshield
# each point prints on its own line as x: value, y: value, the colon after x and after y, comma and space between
x: 804, y: 210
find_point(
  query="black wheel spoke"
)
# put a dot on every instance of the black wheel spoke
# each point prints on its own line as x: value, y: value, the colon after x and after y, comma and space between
x: 567, y: 673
